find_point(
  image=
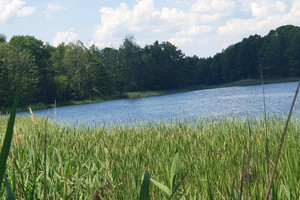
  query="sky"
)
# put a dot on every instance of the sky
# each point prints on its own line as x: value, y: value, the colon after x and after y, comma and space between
x: 197, y: 27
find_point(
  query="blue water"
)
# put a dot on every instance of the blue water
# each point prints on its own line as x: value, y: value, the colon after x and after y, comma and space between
x: 221, y: 102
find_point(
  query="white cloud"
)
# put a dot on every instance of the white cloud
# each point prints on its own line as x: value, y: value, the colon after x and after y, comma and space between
x: 52, y: 8
x: 66, y: 37
x: 187, y: 36
x: 192, y: 23
x: 194, y: 30
x: 211, y: 18
x: 214, y: 6
x: 258, y: 10
x: 280, y: 6
x: 181, y: 41
x: 266, y: 15
x: 10, y: 9
x: 55, y: 7
x: 295, y: 10
x: 145, y: 19
x: 183, y: 2
x: 263, y: 9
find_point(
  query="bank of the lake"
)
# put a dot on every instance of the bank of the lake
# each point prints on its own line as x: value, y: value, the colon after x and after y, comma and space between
x: 142, y: 94
x: 83, y: 162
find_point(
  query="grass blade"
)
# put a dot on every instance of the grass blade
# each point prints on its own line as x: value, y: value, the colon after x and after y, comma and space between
x: 266, y: 125
x: 243, y: 172
x: 174, y: 170
x: 177, y: 186
x: 144, y: 194
x: 45, y: 162
x: 237, y: 185
x: 209, y: 189
x: 248, y: 164
x: 10, y: 195
x: 161, y: 186
x: 282, y: 141
x: 8, y: 135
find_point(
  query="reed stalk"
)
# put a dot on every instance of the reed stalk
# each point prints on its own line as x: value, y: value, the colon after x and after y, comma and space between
x: 45, y: 162
x: 282, y: 142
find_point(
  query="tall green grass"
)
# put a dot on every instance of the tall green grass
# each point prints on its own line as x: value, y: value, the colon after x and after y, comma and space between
x: 85, y: 162
x: 7, y: 138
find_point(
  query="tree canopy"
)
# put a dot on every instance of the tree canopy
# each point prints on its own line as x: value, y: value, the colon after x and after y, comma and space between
x: 75, y: 72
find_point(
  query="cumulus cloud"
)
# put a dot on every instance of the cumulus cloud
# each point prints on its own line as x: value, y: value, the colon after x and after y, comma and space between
x: 190, y: 23
x: 295, y: 10
x: 144, y: 17
x: 266, y: 15
x: 181, y: 41
x: 263, y: 16
x: 11, y: 9
x: 194, y: 30
x: 213, y: 6
x: 52, y: 8
x: 66, y: 37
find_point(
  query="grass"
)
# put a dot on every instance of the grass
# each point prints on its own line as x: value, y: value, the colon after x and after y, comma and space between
x: 83, y: 162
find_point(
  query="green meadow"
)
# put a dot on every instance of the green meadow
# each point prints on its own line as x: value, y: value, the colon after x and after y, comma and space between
x: 215, y: 159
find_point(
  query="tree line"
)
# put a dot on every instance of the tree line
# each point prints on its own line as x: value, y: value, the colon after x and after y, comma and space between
x: 75, y: 72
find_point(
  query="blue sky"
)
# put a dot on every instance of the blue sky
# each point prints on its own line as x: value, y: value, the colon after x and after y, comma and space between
x: 197, y: 27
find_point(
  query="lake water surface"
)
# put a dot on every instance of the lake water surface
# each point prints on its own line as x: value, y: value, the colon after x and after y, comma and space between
x: 221, y: 102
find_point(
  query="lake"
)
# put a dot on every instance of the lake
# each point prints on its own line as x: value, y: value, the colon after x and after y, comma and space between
x: 222, y: 102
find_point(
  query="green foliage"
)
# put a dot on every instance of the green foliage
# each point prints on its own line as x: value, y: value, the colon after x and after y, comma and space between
x: 73, y: 72
x: 162, y: 187
x: 10, y: 195
x: 144, y: 194
x: 2, y: 38
x: 12, y: 62
x: 173, y: 174
x: 8, y: 136
x: 83, y: 161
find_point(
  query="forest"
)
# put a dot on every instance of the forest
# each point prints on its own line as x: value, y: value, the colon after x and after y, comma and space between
x: 75, y: 72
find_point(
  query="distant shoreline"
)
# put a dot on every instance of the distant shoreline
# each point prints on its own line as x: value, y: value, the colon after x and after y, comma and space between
x: 143, y: 94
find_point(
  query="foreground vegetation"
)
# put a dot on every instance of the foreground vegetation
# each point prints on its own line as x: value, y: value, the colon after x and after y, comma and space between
x: 109, y: 162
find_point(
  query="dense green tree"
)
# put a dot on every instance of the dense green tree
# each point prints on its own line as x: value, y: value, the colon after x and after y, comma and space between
x: 189, y: 70
x: 110, y: 59
x: 75, y: 72
x: 60, y: 75
x: 41, y: 55
x: 216, y: 69
x: 98, y: 83
x: 247, y: 58
x: 228, y: 64
x: 272, y: 57
x: 166, y: 61
x: 204, y: 71
x: 129, y: 66
x: 76, y: 67
x: 292, y: 50
x: 2, y: 38
x: 13, y: 63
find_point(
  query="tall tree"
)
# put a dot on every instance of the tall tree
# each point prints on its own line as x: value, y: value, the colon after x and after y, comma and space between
x: 247, y: 58
x: 272, y: 56
x: 130, y: 57
x: 2, y: 38
x: 41, y: 55
x: 13, y: 63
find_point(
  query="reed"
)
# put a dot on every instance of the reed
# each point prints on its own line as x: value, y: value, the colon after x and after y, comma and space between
x: 109, y: 162
x: 282, y: 142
